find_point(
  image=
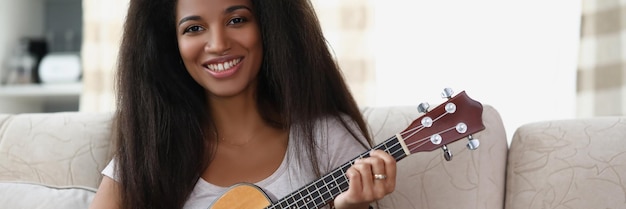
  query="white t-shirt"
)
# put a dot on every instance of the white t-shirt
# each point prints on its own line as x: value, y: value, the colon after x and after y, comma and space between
x: 336, y: 147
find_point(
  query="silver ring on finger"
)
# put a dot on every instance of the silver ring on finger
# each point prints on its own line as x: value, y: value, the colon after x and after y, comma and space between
x: 380, y: 176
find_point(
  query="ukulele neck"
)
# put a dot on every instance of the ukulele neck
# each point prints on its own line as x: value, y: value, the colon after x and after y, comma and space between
x: 320, y: 192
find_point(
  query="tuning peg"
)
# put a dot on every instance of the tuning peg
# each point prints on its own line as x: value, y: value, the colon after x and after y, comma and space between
x: 423, y: 107
x: 447, y: 93
x: 446, y: 153
x: 473, y: 143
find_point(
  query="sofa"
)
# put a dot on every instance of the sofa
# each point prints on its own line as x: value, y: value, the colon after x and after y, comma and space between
x: 53, y: 160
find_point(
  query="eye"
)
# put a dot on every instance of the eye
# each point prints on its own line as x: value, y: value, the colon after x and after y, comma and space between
x: 236, y: 20
x: 192, y: 29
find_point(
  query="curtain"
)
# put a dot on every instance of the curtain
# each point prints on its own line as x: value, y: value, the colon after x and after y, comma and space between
x: 102, y: 31
x: 601, y: 88
x: 348, y: 26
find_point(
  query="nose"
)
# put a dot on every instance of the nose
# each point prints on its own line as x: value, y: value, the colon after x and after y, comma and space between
x: 217, y: 42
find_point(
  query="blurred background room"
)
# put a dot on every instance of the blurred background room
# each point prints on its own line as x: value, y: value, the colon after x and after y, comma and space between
x: 532, y: 60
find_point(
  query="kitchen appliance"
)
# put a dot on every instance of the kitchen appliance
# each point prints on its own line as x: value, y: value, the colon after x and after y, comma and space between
x: 60, y: 67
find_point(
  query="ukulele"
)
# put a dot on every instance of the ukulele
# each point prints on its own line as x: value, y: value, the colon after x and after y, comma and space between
x: 457, y: 118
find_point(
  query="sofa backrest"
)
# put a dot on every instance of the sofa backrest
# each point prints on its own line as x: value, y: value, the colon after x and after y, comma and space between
x: 71, y: 149
x: 474, y: 179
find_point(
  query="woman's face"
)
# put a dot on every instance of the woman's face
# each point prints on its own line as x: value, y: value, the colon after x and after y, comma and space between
x: 220, y: 44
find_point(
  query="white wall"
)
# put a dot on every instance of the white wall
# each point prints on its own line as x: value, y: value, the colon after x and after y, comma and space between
x: 18, y: 18
x: 518, y: 56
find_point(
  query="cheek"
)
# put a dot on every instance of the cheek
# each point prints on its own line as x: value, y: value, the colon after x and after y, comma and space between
x: 188, y: 55
x: 188, y: 49
x: 256, y: 41
x: 258, y: 46
x: 253, y: 42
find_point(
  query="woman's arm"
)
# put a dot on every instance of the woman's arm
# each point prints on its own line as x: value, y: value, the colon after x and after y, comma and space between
x: 107, y: 196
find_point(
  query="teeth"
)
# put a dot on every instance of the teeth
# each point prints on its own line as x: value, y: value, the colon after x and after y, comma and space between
x: 219, y: 67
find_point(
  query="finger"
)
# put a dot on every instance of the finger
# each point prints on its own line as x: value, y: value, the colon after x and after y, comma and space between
x: 354, y: 177
x: 389, y: 167
x: 378, y: 168
x: 353, y: 197
x: 365, y: 170
x: 379, y: 179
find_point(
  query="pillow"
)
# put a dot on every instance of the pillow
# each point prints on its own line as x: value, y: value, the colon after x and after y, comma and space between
x: 16, y: 195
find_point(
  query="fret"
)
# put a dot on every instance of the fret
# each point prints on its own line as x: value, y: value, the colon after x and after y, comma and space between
x: 298, y: 198
x: 329, y: 183
x: 319, y: 194
x: 284, y: 204
x: 326, y: 195
x: 319, y: 185
x: 398, y: 153
x: 343, y: 183
x: 393, y: 147
x: 334, y: 189
x: 291, y: 201
x: 386, y: 148
x: 307, y: 204
x: 311, y: 199
x: 319, y: 201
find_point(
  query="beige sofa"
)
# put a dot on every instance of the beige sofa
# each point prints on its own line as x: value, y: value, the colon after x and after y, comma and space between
x: 53, y: 160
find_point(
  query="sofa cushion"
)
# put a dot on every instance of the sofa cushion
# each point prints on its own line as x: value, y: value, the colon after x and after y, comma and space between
x: 17, y: 195
x: 574, y: 164
x: 58, y: 149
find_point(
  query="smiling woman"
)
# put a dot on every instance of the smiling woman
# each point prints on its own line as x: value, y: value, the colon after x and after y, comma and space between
x: 216, y: 93
x: 349, y: 38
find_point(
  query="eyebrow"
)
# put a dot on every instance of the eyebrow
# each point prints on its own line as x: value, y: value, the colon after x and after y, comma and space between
x: 226, y: 11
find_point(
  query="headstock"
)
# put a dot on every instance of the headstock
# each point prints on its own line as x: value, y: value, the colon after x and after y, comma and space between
x: 458, y: 117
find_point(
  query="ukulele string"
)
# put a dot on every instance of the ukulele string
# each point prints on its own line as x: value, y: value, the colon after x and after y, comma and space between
x: 411, y: 132
x: 337, y: 182
x: 421, y: 127
x: 306, y: 198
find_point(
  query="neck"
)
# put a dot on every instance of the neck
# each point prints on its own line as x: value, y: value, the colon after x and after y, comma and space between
x: 236, y: 118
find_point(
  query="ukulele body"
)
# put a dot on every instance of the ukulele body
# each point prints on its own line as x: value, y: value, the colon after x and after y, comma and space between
x: 242, y: 196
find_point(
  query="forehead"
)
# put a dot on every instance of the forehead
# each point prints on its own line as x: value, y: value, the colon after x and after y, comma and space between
x: 204, y: 7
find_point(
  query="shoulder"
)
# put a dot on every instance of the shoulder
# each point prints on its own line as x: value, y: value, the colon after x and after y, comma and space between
x: 339, y: 131
x: 336, y: 121
x: 338, y: 140
x: 331, y: 126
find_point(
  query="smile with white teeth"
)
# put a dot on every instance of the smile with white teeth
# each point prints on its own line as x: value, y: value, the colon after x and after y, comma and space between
x: 219, y: 67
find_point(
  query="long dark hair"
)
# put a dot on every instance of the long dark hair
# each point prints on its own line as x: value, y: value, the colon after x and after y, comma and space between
x: 163, y: 139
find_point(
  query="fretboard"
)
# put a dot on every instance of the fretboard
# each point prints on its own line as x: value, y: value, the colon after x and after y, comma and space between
x: 320, y: 192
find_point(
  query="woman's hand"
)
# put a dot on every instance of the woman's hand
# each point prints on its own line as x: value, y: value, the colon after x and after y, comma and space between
x: 370, y: 179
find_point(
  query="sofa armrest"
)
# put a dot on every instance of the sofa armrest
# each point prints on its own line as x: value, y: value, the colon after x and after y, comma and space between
x: 575, y: 164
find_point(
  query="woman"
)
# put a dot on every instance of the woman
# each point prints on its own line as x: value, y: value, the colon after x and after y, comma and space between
x: 216, y: 92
